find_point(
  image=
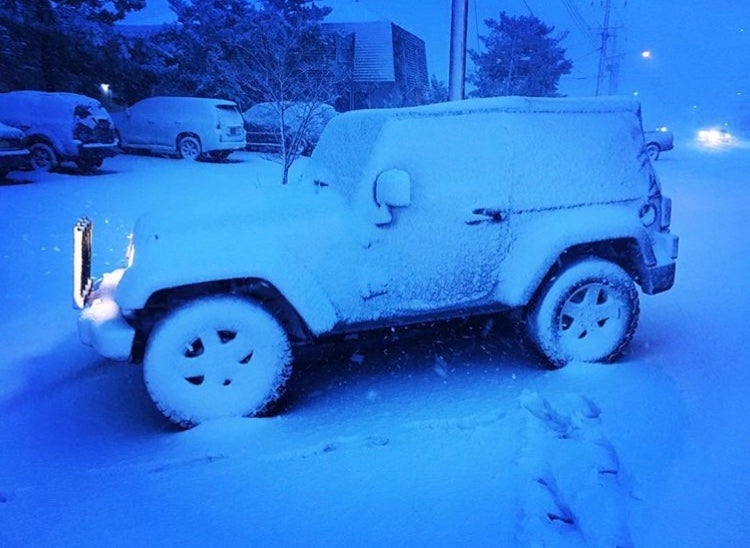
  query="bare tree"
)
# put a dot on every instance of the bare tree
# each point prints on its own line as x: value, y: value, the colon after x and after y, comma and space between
x: 292, y: 64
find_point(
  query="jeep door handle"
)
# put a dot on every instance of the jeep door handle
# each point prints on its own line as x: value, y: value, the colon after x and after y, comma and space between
x: 490, y: 214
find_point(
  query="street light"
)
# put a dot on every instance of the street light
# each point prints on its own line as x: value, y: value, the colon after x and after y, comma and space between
x: 106, y: 93
x: 646, y: 54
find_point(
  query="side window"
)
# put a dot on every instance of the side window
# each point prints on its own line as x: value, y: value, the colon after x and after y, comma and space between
x: 457, y: 163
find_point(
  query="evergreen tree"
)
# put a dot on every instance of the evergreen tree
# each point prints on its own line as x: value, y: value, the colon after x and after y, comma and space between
x: 58, y: 46
x: 521, y: 57
x: 198, y: 55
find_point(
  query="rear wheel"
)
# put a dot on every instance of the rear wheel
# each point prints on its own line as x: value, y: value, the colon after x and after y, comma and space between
x: 216, y: 357
x: 189, y: 148
x: 588, y: 312
x: 653, y: 151
x: 43, y: 157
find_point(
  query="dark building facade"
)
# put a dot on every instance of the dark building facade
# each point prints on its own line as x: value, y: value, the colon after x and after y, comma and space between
x: 388, y: 65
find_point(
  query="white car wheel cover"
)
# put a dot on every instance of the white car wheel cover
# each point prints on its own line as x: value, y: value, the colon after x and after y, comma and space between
x: 217, y: 357
x: 592, y: 322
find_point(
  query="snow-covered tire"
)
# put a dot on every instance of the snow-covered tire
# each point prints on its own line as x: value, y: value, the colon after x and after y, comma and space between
x: 216, y: 357
x: 587, y: 312
x: 189, y: 148
x: 43, y: 157
x: 653, y: 151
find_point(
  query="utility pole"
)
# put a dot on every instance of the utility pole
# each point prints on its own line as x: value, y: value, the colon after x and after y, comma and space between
x: 457, y: 69
x: 603, y: 48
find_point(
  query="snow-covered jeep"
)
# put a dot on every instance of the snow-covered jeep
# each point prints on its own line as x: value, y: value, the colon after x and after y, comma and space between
x: 545, y: 206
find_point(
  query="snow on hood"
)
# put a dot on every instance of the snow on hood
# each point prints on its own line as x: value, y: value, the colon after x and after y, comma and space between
x: 226, y: 240
x: 8, y: 132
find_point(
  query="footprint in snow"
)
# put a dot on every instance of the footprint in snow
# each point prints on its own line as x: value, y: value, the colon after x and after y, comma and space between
x: 329, y: 447
x: 578, y: 493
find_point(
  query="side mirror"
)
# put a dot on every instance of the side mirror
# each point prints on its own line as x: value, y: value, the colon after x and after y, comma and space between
x: 392, y: 189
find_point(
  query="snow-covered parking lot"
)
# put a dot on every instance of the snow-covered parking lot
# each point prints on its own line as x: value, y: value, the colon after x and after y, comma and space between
x: 455, y: 436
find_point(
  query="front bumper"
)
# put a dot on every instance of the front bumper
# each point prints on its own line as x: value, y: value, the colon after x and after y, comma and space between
x: 98, y: 150
x: 10, y: 160
x: 101, y: 325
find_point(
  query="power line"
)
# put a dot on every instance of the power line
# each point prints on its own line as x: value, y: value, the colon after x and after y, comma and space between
x: 578, y: 19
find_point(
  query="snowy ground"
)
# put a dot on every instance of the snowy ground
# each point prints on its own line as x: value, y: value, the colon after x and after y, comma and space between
x: 444, y: 438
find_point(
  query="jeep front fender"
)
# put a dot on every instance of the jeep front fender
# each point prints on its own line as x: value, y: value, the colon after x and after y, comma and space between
x: 166, y: 261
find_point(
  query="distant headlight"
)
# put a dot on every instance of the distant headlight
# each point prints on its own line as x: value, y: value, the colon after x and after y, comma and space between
x: 714, y: 136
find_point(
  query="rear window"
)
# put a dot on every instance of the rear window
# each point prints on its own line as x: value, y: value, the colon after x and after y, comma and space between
x: 229, y: 113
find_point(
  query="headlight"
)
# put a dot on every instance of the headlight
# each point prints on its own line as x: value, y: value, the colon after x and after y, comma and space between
x: 130, y: 252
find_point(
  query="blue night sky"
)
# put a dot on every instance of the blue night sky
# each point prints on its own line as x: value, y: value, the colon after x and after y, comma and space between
x: 699, y: 49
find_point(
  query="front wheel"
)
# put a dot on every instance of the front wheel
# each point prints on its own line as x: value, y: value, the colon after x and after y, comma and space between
x: 43, y: 157
x: 587, y: 312
x: 216, y: 357
x: 189, y: 148
x: 653, y: 151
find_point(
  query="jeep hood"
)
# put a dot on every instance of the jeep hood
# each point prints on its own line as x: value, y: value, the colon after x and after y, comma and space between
x: 273, y: 236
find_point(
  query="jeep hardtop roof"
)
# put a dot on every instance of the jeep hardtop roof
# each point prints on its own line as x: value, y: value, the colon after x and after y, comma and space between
x: 590, y: 146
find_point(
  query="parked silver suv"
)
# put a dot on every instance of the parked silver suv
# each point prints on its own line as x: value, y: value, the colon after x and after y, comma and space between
x: 190, y: 127
x: 545, y: 206
x: 60, y: 127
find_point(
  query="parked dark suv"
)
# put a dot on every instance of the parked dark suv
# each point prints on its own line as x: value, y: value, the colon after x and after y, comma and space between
x: 60, y: 127
x: 263, y: 125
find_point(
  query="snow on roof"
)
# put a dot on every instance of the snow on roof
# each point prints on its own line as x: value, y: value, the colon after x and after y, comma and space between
x: 21, y: 98
x: 427, y: 140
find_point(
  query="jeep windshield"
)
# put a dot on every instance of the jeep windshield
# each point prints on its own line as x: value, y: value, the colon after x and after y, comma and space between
x: 343, y: 155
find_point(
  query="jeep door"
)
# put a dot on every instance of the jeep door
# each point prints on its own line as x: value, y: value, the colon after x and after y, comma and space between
x: 441, y: 248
